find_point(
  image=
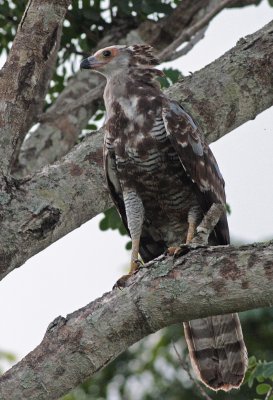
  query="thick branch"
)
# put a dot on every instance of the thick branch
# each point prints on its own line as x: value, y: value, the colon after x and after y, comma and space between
x: 61, y: 125
x: 40, y: 210
x: 25, y: 76
x: 206, y: 281
x: 63, y: 196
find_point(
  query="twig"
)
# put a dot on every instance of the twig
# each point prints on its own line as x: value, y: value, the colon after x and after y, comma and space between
x: 92, y: 95
x: 186, y: 49
x: 269, y: 394
x: 169, y: 52
x: 186, y: 367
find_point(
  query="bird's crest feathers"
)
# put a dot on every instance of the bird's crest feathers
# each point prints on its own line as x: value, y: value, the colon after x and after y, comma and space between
x: 142, y: 54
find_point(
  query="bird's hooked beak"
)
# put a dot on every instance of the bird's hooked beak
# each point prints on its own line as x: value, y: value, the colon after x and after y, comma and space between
x: 91, y: 63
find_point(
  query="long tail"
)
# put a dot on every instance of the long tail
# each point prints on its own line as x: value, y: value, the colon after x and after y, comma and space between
x: 217, y: 350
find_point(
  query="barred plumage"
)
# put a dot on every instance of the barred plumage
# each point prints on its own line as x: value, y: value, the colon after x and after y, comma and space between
x: 163, y: 176
x: 217, y: 350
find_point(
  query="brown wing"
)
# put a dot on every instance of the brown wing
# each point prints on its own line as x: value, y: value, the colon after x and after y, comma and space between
x: 197, y: 160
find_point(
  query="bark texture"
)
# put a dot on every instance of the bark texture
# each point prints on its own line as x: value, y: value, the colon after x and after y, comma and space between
x: 203, y: 282
x: 25, y: 76
x: 39, y: 210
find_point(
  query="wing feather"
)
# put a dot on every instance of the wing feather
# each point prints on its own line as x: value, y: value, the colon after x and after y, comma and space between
x: 197, y: 160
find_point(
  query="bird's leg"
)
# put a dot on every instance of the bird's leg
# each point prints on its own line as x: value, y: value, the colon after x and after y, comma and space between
x: 193, y: 216
x: 134, y: 256
x: 135, y: 216
x: 191, y: 231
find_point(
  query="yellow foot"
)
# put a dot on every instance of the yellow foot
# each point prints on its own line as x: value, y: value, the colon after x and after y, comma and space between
x: 181, y: 250
x: 173, y: 251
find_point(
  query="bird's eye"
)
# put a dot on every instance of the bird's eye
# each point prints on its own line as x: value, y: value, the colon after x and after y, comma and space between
x: 106, y: 53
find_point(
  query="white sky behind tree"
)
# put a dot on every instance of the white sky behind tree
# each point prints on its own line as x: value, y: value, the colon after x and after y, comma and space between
x: 87, y: 262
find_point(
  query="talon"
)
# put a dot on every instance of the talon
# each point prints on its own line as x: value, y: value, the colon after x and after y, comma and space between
x: 137, y: 265
x: 121, y: 282
x: 173, y: 251
x: 179, y: 250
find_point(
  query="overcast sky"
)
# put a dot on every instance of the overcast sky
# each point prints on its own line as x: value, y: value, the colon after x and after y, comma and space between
x: 87, y: 262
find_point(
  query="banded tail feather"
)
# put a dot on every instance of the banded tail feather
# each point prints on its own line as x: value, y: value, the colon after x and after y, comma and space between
x: 217, y: 350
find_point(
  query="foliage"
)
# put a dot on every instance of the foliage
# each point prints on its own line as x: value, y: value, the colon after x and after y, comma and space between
x: 6, y: 357
x: 171, y: 76
x: 262, y: 372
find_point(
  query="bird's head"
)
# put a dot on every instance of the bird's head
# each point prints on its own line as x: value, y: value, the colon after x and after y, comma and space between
x: 117, y: 59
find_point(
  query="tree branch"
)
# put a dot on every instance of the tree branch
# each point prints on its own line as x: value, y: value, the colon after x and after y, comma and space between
x: 169, y: 53
x: 40, y: 210
x: 26, y: 73
x: 186, y: 14
x: 61, y: 124
x: 187, y: 367
x: 233, y: 89
x: 205, y: 281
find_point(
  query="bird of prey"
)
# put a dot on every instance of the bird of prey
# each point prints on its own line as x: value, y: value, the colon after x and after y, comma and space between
x: 163, y: 178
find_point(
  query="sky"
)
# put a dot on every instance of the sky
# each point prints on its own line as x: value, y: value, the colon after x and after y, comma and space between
x: 87, y: 262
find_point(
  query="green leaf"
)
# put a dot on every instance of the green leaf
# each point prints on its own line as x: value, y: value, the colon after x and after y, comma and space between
x: 104, y: 224
x: 99, y: 116
x: 252, y: 362
x: 251, y: 379
x: 264, y: 369
x: 137, y: 4
x: 8, y: 356
x: 128, y: 245
x: 270, y: 2
x: 122, y: 229
x: 92, y: 127
x: 263, y: 388
x: 228, y: 209
x: 268, y: 370
x: 155, y: 6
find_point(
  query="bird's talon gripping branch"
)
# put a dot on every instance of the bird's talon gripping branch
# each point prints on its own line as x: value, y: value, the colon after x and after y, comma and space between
x: 173, y: 251
x: 121, y: 282
x: 138, y: 263
x: 181, y: 250
x: 135, y: 266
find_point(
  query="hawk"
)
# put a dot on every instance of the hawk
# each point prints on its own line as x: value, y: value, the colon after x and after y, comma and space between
x: 163, y: 178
